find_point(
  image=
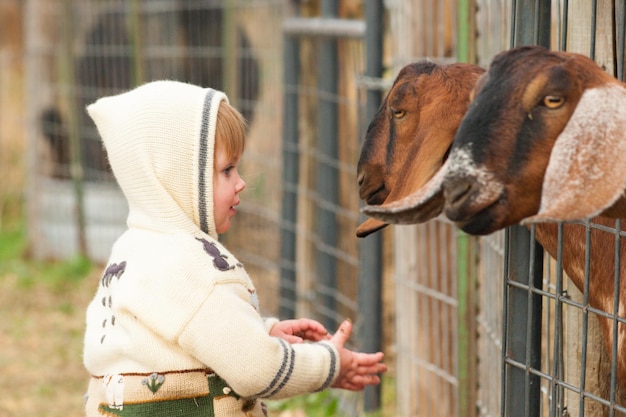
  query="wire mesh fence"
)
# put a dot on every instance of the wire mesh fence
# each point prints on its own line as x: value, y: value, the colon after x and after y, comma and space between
x: 77, y: 51
x: 573, y: 374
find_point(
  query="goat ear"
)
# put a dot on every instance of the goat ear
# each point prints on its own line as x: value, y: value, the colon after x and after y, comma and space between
x: 586, y: 173
x: 422, y: 205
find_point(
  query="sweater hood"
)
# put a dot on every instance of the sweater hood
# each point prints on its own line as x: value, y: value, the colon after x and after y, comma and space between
x: 160, y: 140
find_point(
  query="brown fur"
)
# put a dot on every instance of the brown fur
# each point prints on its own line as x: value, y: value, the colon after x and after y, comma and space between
x: 407, y: 184
x: 601, y: 273
x: 511, y: 131
x: 525, y: 89
x: 423, y: 128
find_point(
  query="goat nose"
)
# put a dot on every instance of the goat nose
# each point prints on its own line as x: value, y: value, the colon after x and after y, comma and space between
x: 456, y: 191
x: 360, y: 178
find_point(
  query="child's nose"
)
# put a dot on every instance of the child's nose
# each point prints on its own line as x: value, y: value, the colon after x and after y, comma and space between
x: 241, y: 185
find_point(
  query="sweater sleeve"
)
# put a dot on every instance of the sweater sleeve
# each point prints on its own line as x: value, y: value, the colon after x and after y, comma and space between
x: 269, y: 323
x: 230, y: 337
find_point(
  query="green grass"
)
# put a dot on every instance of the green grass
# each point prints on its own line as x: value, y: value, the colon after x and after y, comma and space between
x: 321, y: 404
x: 42, y: 305
x: 328, y: 403
x: 14, y: 259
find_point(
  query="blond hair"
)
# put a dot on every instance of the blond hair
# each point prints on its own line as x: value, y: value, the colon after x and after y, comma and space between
x: 230, y: 131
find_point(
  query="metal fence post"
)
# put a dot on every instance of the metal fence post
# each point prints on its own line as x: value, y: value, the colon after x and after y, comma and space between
x: 291, y: 166
x: 466, y: 252
x: 522, y: 325
x: 69, y: 80
x: 466, y: 313
x: 327, y: 179
x: 370, y: 250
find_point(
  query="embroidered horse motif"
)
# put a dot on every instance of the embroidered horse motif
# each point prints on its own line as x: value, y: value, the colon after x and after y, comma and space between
x: 113, y: 270
x: 219, y: 260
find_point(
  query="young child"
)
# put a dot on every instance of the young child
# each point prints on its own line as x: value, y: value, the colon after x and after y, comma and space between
x: 174, y: 328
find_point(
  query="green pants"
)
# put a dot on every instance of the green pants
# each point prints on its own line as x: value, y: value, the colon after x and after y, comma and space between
x: 198, y: 393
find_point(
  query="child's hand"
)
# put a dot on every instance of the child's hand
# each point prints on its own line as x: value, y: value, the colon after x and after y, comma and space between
x: 357, y: 369
x: 297, y: 331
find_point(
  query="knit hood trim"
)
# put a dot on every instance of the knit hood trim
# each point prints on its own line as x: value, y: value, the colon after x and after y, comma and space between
x: 203, y: 154
x: 160, y: 140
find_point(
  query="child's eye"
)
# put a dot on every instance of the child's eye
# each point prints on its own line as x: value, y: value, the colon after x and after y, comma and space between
x: 227, y: 170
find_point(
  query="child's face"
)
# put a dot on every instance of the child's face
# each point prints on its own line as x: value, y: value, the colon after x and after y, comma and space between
x: 227, y: 184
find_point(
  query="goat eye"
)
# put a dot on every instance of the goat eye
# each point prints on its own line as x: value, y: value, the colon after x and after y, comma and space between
x: 553, y: 102
x: 398, y: 114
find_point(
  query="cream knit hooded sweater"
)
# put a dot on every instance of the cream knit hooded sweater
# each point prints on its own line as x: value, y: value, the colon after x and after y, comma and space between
x: 172, y: 297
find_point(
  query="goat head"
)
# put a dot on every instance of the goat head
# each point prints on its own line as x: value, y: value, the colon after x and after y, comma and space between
x: 525, y: 108
x: 408, y: 140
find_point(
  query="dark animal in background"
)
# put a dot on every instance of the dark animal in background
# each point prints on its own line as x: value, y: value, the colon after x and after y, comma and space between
x: 56, y: 136
x: 203, y: 30
x: 98, y: 72
x: 106, y: 67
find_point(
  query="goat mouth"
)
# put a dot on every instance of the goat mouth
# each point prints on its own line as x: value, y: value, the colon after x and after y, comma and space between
x: 482, y: 221
x: 475, y: 213
x: 374, y: 197
x: 429, y: 208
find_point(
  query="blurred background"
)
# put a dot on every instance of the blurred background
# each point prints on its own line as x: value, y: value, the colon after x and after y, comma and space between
x: 308, y: 75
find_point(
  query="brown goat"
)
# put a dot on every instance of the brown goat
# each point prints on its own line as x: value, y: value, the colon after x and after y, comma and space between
x: 539, y: 119
x: 412, y: 122
x: 495, y: 172
x: 544, y: 137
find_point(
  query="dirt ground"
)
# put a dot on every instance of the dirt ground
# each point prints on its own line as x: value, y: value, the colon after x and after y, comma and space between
x: 41, y: 330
